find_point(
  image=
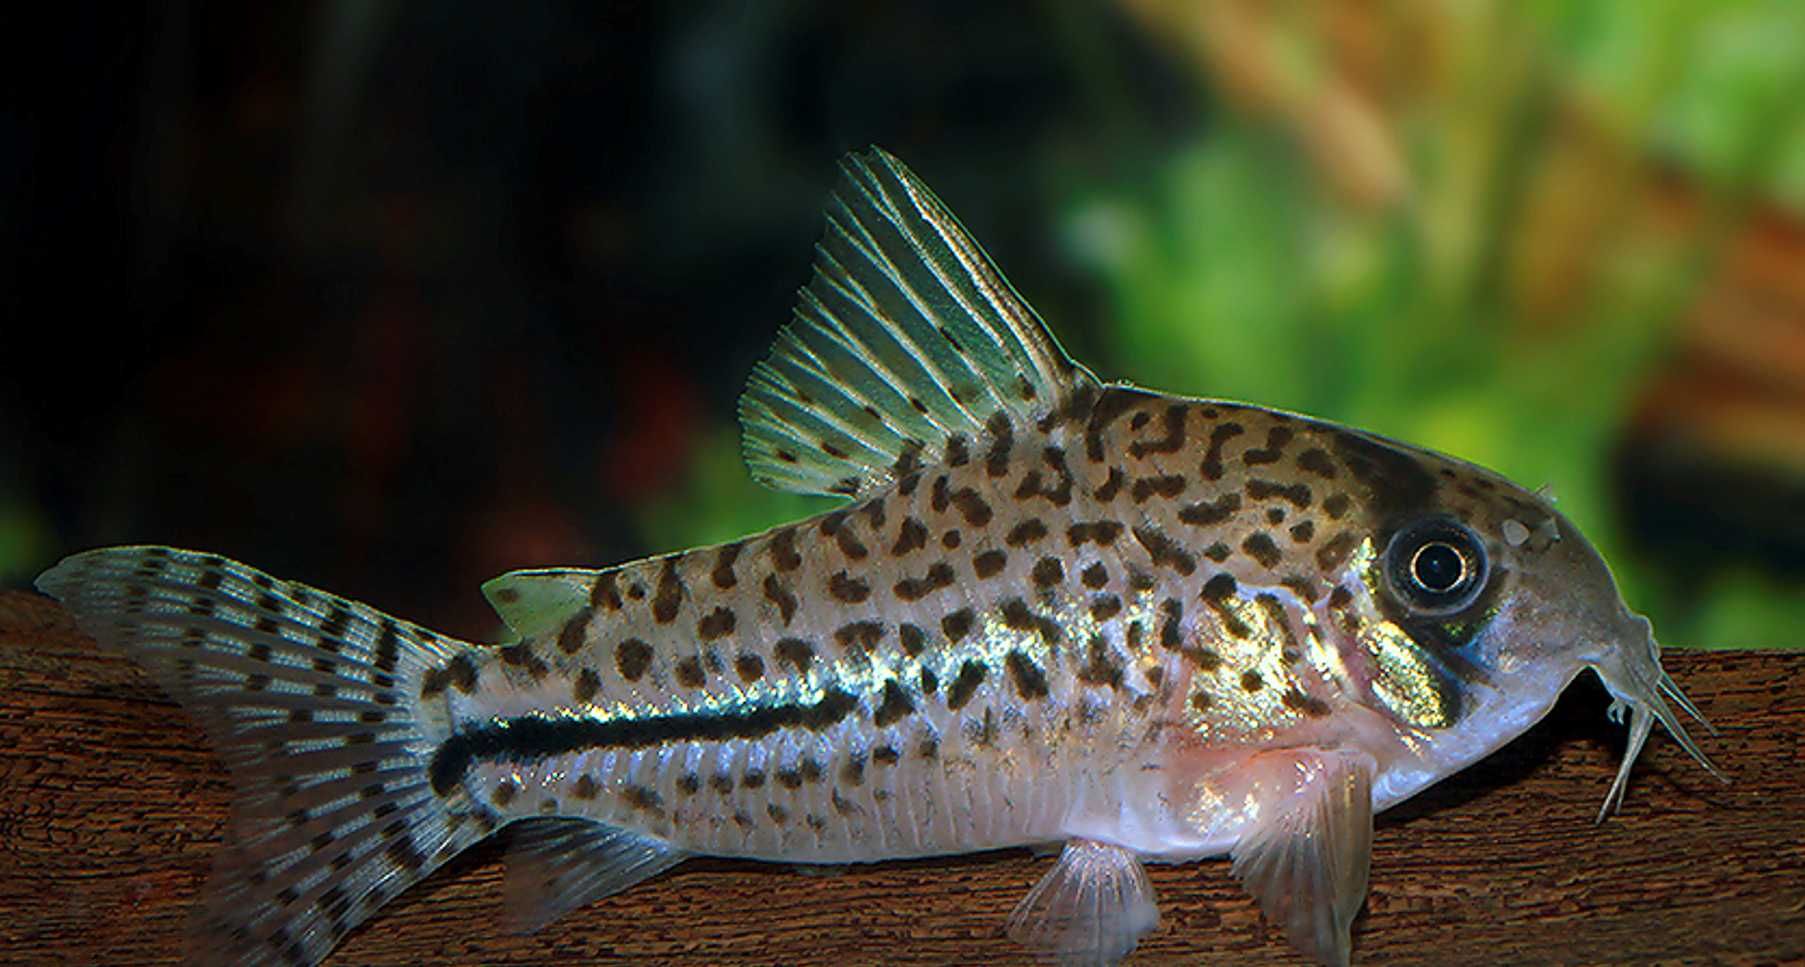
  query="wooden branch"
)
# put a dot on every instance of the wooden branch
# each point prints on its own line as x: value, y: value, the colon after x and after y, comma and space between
x: 111, y: 808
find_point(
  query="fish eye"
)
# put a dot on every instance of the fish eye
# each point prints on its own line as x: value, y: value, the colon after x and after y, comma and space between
x: 1437, y: 566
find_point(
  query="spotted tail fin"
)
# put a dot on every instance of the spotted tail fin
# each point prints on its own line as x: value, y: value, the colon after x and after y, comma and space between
x: 311, y: 701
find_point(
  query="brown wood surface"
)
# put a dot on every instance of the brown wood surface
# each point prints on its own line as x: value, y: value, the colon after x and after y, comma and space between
x: 110, y: 809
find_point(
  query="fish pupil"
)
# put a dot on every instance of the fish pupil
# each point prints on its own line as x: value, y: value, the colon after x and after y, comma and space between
x: 1435, y: 566
x: 1438, y: 567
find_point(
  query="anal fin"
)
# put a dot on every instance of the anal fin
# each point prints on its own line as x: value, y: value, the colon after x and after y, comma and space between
x: 556, y: 865
x: 1307, y: 859
x: 1092, y: 907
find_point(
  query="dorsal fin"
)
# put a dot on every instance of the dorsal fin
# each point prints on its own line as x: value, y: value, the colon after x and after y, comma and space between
x: 906, y: 336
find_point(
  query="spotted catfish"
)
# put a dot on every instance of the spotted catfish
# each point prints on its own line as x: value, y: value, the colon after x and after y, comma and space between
x: 1051, y: 611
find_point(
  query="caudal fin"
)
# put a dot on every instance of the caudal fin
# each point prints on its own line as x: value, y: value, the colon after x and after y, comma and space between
x: 311, y: 701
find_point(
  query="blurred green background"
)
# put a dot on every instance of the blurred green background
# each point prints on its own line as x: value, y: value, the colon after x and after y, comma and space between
x: 402, y: 296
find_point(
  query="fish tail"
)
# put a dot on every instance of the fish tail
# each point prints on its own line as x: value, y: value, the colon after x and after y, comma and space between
x: 313, y: 703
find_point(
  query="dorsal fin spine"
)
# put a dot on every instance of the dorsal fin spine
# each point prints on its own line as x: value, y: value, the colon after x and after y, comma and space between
x: 905, y: 337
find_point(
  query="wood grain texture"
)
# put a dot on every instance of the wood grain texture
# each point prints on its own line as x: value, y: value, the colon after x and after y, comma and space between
x: 111, y: 807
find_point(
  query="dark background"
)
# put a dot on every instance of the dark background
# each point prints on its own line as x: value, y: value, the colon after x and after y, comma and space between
x: 395, y: 297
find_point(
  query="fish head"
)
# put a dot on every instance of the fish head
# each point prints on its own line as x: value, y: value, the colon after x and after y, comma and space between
x: 1475, y: 602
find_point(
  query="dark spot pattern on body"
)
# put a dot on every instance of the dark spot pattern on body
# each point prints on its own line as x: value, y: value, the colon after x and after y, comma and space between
x: 1173, y: 438
x: 965, y: 684
x: 987, y: 564
x: 1099, y: 532
x: 795, y: 652
x: 1002, y: 436
x: 1101, y: 667
x: 1209, y: 513
x: 1298, y: 495
x: 459, y: 673
x: 1025, y: 533
x: 1059, y: 493
x: 847, y: 589
x: 1260, y: 546
x: 1105, y: 606
x: 956, y: 625
x: 1276, y: 439
x: 783, y: 550
x: 1305, y: 588
x: 861, y: 636
x: 715, y: 624
x: 1218, y: 593
x: 1220, y: 434
x: 1316, y: 461
x: 723, y: 574
x: 1277, y: 617
x: 1111, y: 486
x: 1299, y: 702
x: 575, y: 632
x: 958, y: 450
x: 1166, y: 486
x: 908, y: 460
x: 876, y: 515
x: 911, y: 536
x: 1303, y: 532
x: 1110, y: 405
x: 749, y: 667
x: 632, y: 658
x: 587, y: 685
x: 1337, y: 506
x: 1095, y: 575
x: 777, y: 594
x: 1164, y: 551
x: 894, y: 707
x: 972, y: 507
x: 938, y: 576
x: 913, y: 639
x: 1029, y: 678
x: 669, y: 594
x: 1017, y: 615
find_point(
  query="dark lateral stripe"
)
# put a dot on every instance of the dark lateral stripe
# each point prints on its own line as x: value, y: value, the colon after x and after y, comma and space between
x: 532, y: 737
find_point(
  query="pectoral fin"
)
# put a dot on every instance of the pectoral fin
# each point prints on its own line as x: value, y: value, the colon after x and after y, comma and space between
x: 1307, y: 859
x: 1092, y: 907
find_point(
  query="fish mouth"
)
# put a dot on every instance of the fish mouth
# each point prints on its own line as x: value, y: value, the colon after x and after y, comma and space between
x: 1640, y: 688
